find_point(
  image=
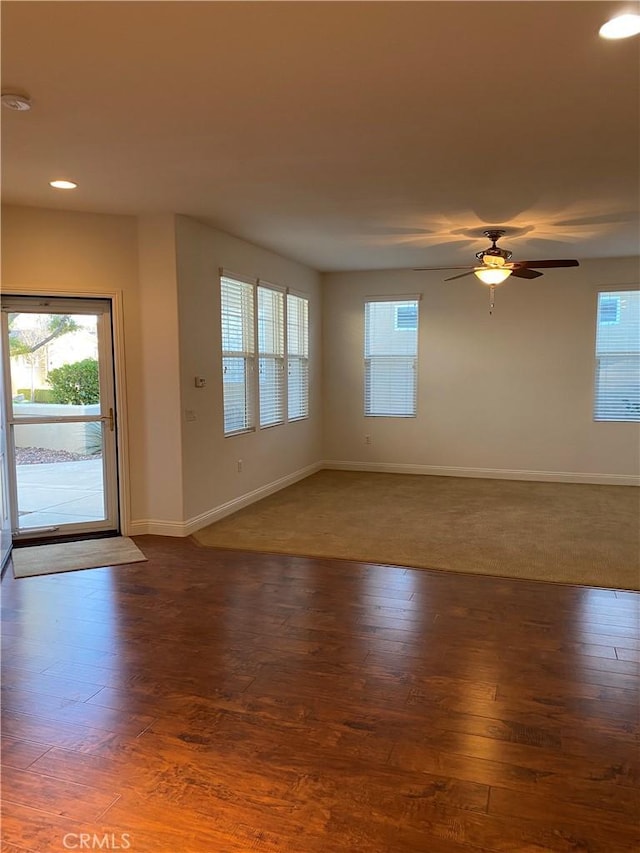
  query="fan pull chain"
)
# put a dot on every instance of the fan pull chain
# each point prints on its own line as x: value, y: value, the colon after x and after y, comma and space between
x: 492, y: 298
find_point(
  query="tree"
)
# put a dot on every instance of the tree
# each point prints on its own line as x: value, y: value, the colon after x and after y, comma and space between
x: 76, y: 384
x: 47, y: 328
x: 29, y: 342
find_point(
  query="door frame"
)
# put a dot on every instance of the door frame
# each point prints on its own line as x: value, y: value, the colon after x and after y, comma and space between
x: 115, y: 297
x: 6, y: 539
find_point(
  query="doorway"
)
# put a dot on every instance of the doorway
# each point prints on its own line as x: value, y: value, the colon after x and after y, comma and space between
x: 61, y: 430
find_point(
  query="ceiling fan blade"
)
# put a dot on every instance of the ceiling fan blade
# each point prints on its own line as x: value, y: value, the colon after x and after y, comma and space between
x: 462, y: 275
x: 426, y: 269
x: 525, y: 273
x: 547, y: 264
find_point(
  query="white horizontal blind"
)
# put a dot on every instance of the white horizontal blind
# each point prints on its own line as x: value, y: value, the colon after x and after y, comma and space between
x: 390, y: 357
x: 298, y: 356
x: 271, y: 355
x: 617, y: 384
x: 238, y: 354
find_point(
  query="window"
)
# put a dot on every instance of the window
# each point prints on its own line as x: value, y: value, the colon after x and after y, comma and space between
x: 390, y: 357
x: 298, y: 356
x: 407, y: 317
x: 238, y: 354
x: 260, y: 325
x: 617, y: 382
x: 271, y: 355
x: 609, y: 310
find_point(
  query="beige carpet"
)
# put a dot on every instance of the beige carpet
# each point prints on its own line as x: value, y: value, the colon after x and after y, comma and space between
x: 560, y: 532
x: 73, y: 556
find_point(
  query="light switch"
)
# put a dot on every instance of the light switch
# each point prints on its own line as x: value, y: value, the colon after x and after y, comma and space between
x: 200, y: 382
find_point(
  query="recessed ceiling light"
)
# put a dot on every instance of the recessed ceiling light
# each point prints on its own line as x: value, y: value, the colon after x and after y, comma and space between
x: 14, y: 101
x: 621, y: 27
x: 63, y: 185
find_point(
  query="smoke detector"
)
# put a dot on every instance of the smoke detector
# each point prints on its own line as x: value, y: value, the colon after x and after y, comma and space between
x: 16, y: 102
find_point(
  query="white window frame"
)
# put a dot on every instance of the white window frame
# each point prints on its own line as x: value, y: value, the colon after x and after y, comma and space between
x: 248, y: 355
x: 272, y: 407
x: 299, y: 358
x: 614, y: 411
x: 255, y: 407
x: 371, y: 411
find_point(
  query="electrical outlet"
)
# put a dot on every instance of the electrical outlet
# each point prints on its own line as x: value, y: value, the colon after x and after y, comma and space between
x: 239, y: 466
x: 190, y: 415
x: 367, y: 439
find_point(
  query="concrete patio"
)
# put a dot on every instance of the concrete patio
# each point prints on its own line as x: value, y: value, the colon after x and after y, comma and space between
x: 60, y: 493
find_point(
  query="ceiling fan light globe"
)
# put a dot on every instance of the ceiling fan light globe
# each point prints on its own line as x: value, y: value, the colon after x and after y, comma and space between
x: 493, y: 274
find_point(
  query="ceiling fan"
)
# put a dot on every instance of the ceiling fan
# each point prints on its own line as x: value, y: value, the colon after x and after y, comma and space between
x: 495, y: 264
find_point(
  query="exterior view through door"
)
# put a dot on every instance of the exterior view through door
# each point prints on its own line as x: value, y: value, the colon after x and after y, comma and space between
x: 60, y: 416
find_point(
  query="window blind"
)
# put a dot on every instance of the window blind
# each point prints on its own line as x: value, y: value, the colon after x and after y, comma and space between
x: 390, y: 358
x: 238, y: 354
x: 617, y: 380
x: 298, y: 356
x: 271, y: 356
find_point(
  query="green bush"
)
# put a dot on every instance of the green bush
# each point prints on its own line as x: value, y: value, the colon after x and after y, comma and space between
x: 76, y: 384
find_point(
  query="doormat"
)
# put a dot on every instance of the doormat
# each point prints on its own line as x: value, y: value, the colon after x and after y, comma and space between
x: 74, y: 556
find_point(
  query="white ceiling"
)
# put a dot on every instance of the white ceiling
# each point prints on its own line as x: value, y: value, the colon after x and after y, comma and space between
x: 347, y: 135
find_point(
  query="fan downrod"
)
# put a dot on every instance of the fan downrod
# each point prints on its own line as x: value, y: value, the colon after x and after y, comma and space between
x: 494, y: 234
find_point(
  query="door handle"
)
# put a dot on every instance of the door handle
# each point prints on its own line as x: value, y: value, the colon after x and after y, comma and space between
x: 109, y: 418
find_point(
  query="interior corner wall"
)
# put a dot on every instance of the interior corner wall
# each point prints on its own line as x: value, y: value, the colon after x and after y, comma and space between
x: 158, y: 464
x: 272, y: 457
x: 506, y: 395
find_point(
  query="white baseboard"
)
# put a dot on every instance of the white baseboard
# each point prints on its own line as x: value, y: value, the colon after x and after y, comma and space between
x: 186, y: 528
x: 487, y: 473
x: 215, y: 514
x: 154, y: 527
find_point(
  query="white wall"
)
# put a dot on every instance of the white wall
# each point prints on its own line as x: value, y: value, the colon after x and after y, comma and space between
x: 212, y: 483
x: 62, y: 252
x: 157, y: 467
x: 503, y: 395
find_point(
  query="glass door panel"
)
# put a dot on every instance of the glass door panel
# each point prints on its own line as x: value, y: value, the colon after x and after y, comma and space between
x: 62, y: 430
x: 59, y: 473
x: 5, y: 506
x: 54, y: 364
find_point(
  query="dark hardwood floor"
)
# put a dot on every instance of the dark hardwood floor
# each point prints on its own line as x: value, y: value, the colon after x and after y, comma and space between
x: 221, y: 702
